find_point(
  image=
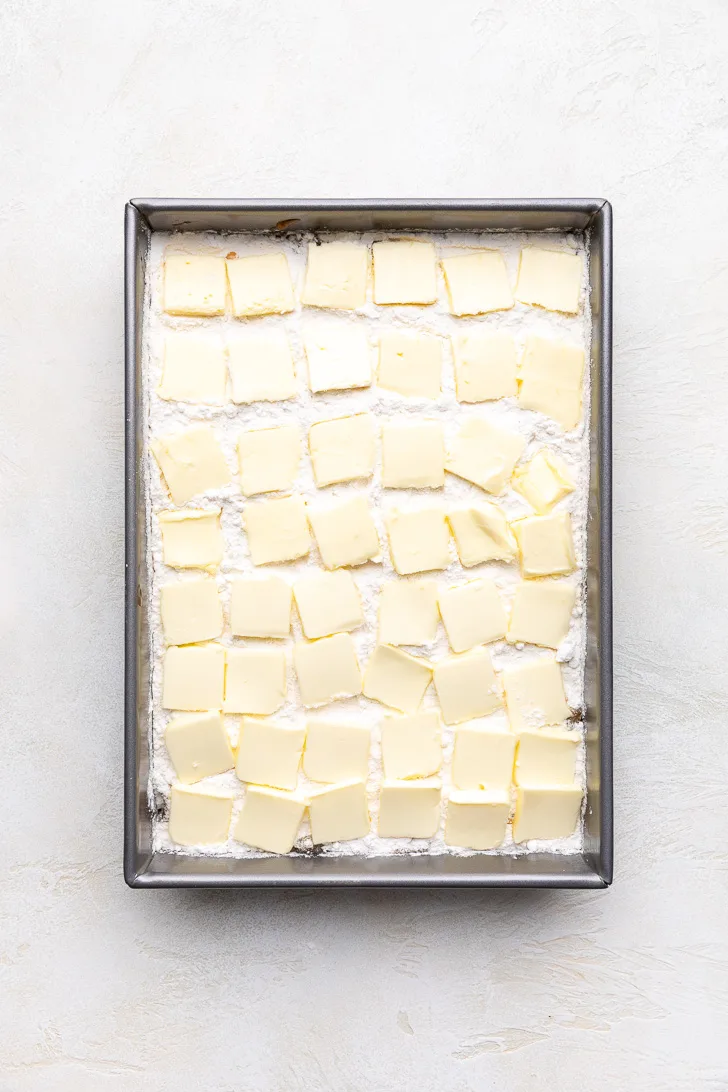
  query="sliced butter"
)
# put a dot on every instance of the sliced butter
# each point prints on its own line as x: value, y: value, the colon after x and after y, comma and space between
x: 396, y: 679
x: 546, y: 544
x: 339, y: 813
x: 191, y: 539
x: 261, y: 367
x: 408, y: 612
x: 260, y: 607
x: 191, y: 462
x: 541, y: 612
x: 410, y: 365
x: 550, y: 380
x: 543, y: 481
x: 550, y: 279
x: 198, y: 746
x: 336, y: 275
x: 484, y: 455
x: 546, y: 811
x: 328, y: 603
x: 410, y: 809
x: 485, y: 366
x: 336, y: 751
x: 473, y: 614
x: 546, y: 756
x: 194, y: 285
x: 411, y: 745
x: 260, y: 285
x: 194, y: 369
x: 194, y: 677
x: 191, y: 611
x: 345, y: 533
x: 534, y: 694
x: 277, y: 530
x: 418, y: 539
x: 255, y: 680
x: 405, y: 271
x: 268, y: 459
x: 467, y: 686
x: 327, y: 669
x: 413, y: 455
x: 199, y: 817
x: 342, y: 449
x: 269, y: 753
x: 481, y: 533
x: 483, y: 757
x: 270, y: 819
x: 477, y: 282
x: 477, y: 819
x: 338, y: 357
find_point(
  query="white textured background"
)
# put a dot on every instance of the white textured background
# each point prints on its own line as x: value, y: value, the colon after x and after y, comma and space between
x: 102, y: 988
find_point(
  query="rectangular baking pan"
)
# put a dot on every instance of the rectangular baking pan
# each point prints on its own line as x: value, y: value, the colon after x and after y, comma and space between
x: 593, y: 867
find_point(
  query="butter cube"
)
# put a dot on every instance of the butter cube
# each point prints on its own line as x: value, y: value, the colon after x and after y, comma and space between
x: 328, y: 603
x: 397, y: 679
x: 268, y: 459
x: 198, y: 746
x: 194, y: 677
x: 345, y: 533
x: 543, y: 481
x: 477, y: 820
x: 199, y: 817
x: 413, y: 455
x: 550, y: 279
x: 411, y: 745
x: 269, y: 754
x: 546, y: 811
x: 410, y: 365
x: 194, y: 285
x: 467, y: 686
x: 260, y: 285
x: 255, y: 680
x: 261, y: 368
x: 535, y: 694
x: 336, y: 752
x: 484, y: 455
x: 277, y: 530
x: 546, y: 756
x: 339, y: 357
x: 481, y: 534
x: 418, y: 539
x: 485, y: 366
x: 342, y: 449
x: 339, y: 813
x: 541, y: 612
x: 327, y: 669
x: 191, y: 611
x: 483, y: 757
x: 270, y: 819
x: 477, y: 283
x: 408, y: 612
x: 191, y: 462
x: 410, y: 809
x: 546, y: 544
x: 191, y: 539
x: 550, y: 380
x: 336, y: 275
x: 194, y: 369
x: 260, y: 607
x: 404, y: 272
x: 473, y: 614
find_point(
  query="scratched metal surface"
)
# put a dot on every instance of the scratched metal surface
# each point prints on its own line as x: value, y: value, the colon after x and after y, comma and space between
x: 102, y: 988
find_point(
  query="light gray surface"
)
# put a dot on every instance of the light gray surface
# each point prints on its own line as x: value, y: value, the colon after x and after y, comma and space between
x: 102, y: 988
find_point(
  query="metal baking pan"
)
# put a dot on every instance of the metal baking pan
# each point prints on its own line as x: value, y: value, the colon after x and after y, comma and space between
x: 593, y: 867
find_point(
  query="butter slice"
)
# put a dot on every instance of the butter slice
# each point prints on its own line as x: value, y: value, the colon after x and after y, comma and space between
x: 198, y: 746
x: 408, y: 612
x: 535, y: 694
x: 410, y: 809
x: 335, y: 751
x: 546, y: 811
x: 477, y: 820
x: 194, y: 285
x: 345, y: 533
x: 327, y: 669
x: 191, y: 611
x: 269, y: 754
x: 277, y: 530
x: 194, y: 369
x: 336, y: 275
x: 198, y: 817
x: 404, y: 271
x: 261, y: 368
x: 194, y: 677
x: 481, y: 534
x: 270, y: 819
x: 255, y: 680
x: 550, y: 380
x: 550, y: 279
x: 342, y: 449
x: 483, y: 757
x: 541, y: 612
x: 191, y: 539
x: 477, y: 283
x: 543, y: 481
x: 260, y: 607
x: 410, y: 365
x: 546, y: 544
x: 485, y: 366
x: 339, y: 357
x: 418, y: 539
x: 473, y: 614
x: 413, y: 455
x: 484, y: 455
x: 467, y: 686
x: 268, y: 459
x: 328, y: 603
x: 191, y: 462
x: 260, y: 285
x: 546, y: 756
x: 339, y: 813
x: 396, y: 679
x: 411, y: 745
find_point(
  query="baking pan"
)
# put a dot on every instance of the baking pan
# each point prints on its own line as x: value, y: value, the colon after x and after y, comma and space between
x: 591, y: 868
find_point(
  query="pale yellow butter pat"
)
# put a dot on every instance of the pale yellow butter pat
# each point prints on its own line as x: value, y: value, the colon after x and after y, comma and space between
x: 419, y: 540
x: 410, y: 809
x: 405, y: 271
x: 194, y: 285
x: 336, y: 275
x: 483, y: 757
x: 481, y: 533
x: 261, y: 368
x: 194, y: 369
x: 255, y: 680
x: 410, y: 365
x: 336, y: 752
x: 484, y: 455
x: 191, y: 539
x: 198, y: 746
x: 191, y: 462
x: 413, y: 455
x: 550, y: 380
x: 198, y: 817
x: 476, y: 819
x: 546, y: 756
x: 543, y: 481
x: 467, y: 686
x: 339, y: 813
x: 485, y: 366
x: 345, y: 533
x: 546, y: 811
x: 269, y: 754
x: 268, y: 459
x: 191, y: 611
x: 270, y: 819
x: 327, y: 669
x: 194, y: 677
x: 473, y: 614
x: 260, y: 285
x: 396, y: 679
x: 277, y: 530
x: 260, y: 607
x: 408, y: 612
x: 541, y: 612
x: 328, y: 603
x: 550, y: 279
x: 342, y: 449
x: 411, y: 745
x: 477, y: 283
x: 338, y: 357
x: 546, y: 544
x: 535, y: 694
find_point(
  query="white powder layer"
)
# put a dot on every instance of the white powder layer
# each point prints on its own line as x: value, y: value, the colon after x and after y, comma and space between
x: 230, y: 419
